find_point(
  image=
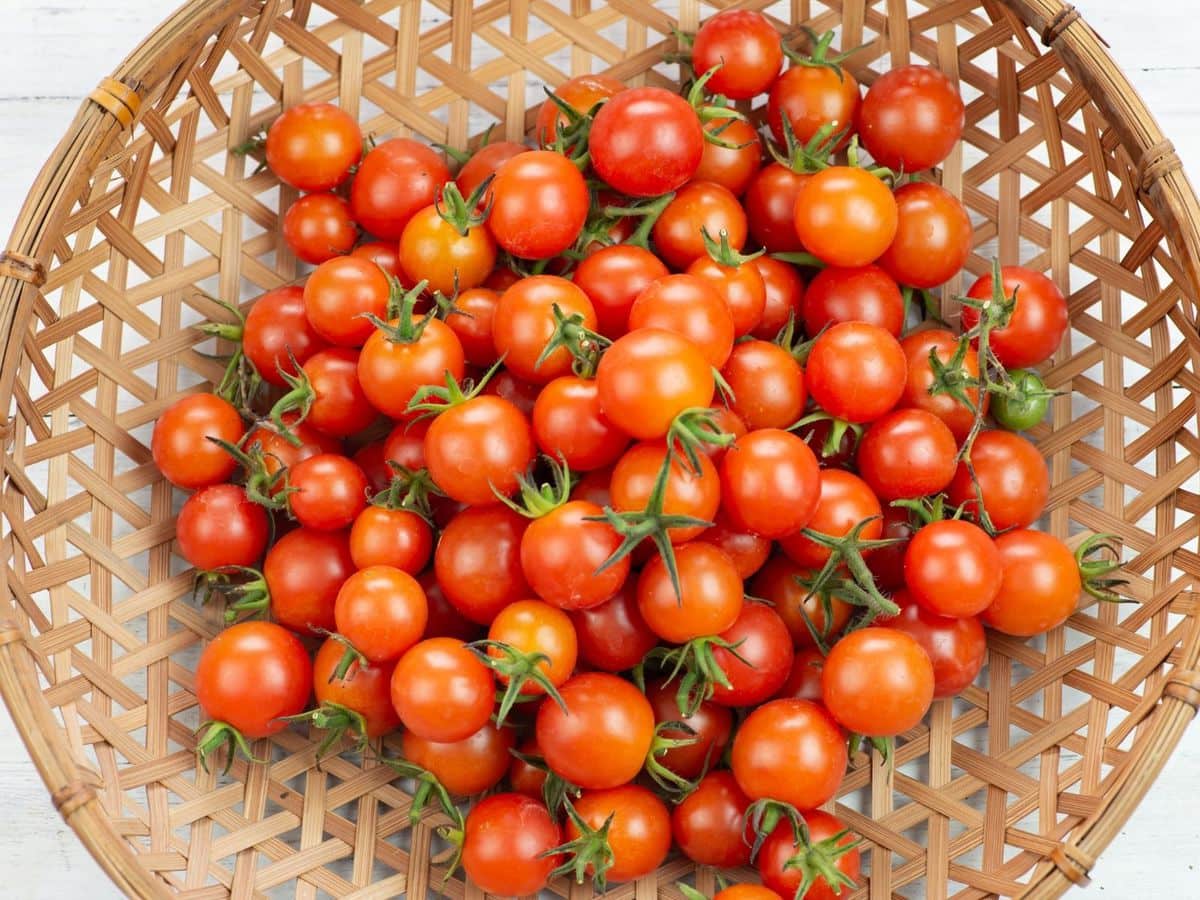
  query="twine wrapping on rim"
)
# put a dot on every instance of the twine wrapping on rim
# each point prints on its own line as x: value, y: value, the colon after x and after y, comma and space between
x: 22, y: 267
x: 1067, y: 17
x: 1073, y: 862
x: 70, y: 797
x: 119, y: 99
x: 1157, y: 162
x: 1184, y: 686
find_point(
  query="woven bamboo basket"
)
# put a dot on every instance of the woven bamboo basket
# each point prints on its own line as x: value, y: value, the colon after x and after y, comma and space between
x: 143, y: 214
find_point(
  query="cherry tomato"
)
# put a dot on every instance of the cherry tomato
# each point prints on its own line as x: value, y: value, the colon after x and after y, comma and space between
x: 1040, y: 585
x: 746, y: 892
x: 907, y: 453
x: 472, y: 324
x: 767, y: 385
x: 791, y: 751
x: 887, y: 563
x: 748, y: 551
x: 804, y: 681
x: 536, y: 628
x: 279, y: 453
x: 776, y: 858
x: 339, y: 405
x: 395, y: 180
x: 613, y: 636
x: 638, y: 828
x: 506, y: 846
x: 865, y: 294
x: 709, y: 823
x: 251, y: 675
x: 444, y: 619
x: 220, y: 526
x: 581, y: 93
x: 405, y: 444
x: 526, y: 778
x: 467, y: 767
x: 392, y: 371
x: 478, y: 561
x: 763, y: 659
x: 709, y: 599
x: 813, y: 97
x: 603, y: 741
x: 710, y: 725
x: 1038, y: 321
x: 521, y: 394
x: 1013, y: 480
x: 381, y: 611
x: 329, y: 492
x: 770, y: 483
x: 911, y: 118
x: 483, y: 164
x: 648, y: 377
x: 276, y: 325
x: 391, y: 537
x: 304, y: 571
x: 312, y: 146
x: 746, y: 47
x: 340, y: 294
x: 562, y: 552
x: 846, y: 216
x: 539, y: 204
x: 384, y: 254
x: 478, y: 448
x: 956, y: 414
x: 318, y: 227
x: 646, y: 142
x: 524, y: 323
x: 613, y: 277
x: 933, y: 236
x: 687, y: 494
x: 770, y: 203
x: 432, y: 249
x: 877, y: 682
x: 1025, y: 408
x: 181, y: 445
x: 957, y: 647
x: 569, y: 424
x: 441, y: 691
x: 698, y: 207
x: 779, y: 581
x: 369, y: 457
x: 953, y: 568
x: 366, y: 691
x: 856, y: 371
x: 740, y: 286
x: 784, y: 295
x: 734, y: 161
x: 845, y: 502
x: 691, y: 308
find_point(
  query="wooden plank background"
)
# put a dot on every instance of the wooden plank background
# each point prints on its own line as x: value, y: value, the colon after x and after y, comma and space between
x: 57, y: 50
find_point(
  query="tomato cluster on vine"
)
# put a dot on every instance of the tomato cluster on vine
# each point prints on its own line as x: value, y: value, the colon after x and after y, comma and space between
x: 631, y: 476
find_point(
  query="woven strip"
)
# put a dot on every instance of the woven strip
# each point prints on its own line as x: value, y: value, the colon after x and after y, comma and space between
x: 22, y: 267
x: 1075, y: 863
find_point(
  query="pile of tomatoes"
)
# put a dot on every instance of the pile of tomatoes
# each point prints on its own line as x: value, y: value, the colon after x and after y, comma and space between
x: 629, y: 476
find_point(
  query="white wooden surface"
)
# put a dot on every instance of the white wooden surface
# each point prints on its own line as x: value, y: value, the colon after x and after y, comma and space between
x: 56, y: 51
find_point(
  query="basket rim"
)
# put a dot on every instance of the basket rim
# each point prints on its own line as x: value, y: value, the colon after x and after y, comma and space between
x: 103, y: 118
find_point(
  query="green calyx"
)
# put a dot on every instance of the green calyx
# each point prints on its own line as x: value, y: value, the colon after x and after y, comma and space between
x: 409, y: 489
x: 337, y: 722
x: 517, y: 668
x: 434, y: 399
x: 847, y: 551
x: 556, y: 790
x: 674, y: 784
x: 427, y: 788
x: 240, y: 381
x: 248, y: 597
x: 591, y: 850
x: 463, y: 213
x: 219, y: 735
x: 696, y: 667
x: 690, y: 432
x: 536, y: 499
x: 584, y: 345
x: 838, y: 429
x: 647, y: 210
x: 819, y: 57
x: 763, y: 816
x: 722, y: 254
x: 811, y: 157
x: 403, y: 326
x: 298, y: 399
x: 1097, y: 571
x: 266, y: 488
x: 710, y: 109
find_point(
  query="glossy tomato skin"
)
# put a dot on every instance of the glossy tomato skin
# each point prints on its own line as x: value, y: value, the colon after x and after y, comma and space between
x: 318, y: 227
x: 877, y: 681
x: 391, y: 372
x: 252, y: 674
x: 933, y: 236
x: 381, y: 611
x: 957, y: 647
x: 887, y: 563
x: 1013, y: 478
x: 483, y: 164
x: 582, y: 92
x: 780, y: 847
x: 953, y: 568
x: 792, y: 751
x: 1040, y: 585
x: 613, y: 277
x: 770, y: 483
x: 391, y: 537
x: 648, y: 377
x: 539, y: 204
x: 740, y: 286
x: 524, y: 322
x: 370, y: 458
x: 846, y: 216
x: 856, y: 371
x: 917, y: 347
x: 745, y: 45
x: 746, y: 892
x: 697, y: 207
x: 691, y: 308
x: 478, y: 561
x: 279, y: 453
x: 1038, y: 321
x: 709, y: 599
x: 340, y: 294
x: 687, y: 493
x: 533, y: 627
x: 384, y: 254
x: 473, y: 326
x: 180, y: 443
x: 478, y: 448
x: 845, y: 501
x: 613, y: 636
x: 863, y: 294
x: 467, y: 767
x: 748, y: 551
x: 911, y: 118
x: 366, y: 691
x: 646, y: 142
x: 312, y: 146
x: 734, y: 166
x: 603, y: 741
x: 521, y: 394
x: 764, y: 642
x: 784, y: 292
x: 395, y: 180
x: 506, y: 844
x: 432, y: 250
x: 444, y: 619
x: 777, y: 582
x: 711, y: 726
x: 330, y: 492
x: 640, y: 830
x: 562, y: 551
x: 767, y: 384
x: 526, y: 778
x: 812, y: 97
x: 770, y: 202
x: 220, y: 526
x: 275, y: 325
x: 340, y: 407
x: 907, y: 453
x: 304, y: 571
x: 441, y: 691
x: 569, y: 424
x: 709, y: 824
x: 804, y: 681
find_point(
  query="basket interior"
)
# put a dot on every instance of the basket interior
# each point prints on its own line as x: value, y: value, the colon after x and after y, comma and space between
x: 981, y: 792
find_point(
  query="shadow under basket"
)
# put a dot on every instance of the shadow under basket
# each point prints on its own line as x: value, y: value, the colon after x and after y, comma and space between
x: 142, y: 215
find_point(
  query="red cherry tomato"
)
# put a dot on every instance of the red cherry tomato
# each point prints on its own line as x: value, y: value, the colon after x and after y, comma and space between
x: 740, y: 286
x: 472, y: 324
x: 478, y: 561
x: 777, y: 858
x: 846, y: 216
x: 276, y: 325
x: 646, y: 142
x: 804, y: 681
x: 746, y: 47
x: 698, y: 207
x: 866, y: 294
x: 911, y: 118
x: 917, y: 348
x: 789, y: 750
x: 441, y: 691
x: 770, y: 483
x: 687, y: 494
x: 477, y: 449
x: 767, y: 385
x: 784, y: 295
x: 638, y: 828
x: 484, y: 163
x: 381, y: 611
x: 329, y: 492
x: 709, y: 823
x: 953, y: 568
x: 340, y: 294
x: 907, y: 453
x: 395, y: 180
x: 845, y: 502
x: 779, y: 581
x: 1038, y: 322
x: 524, y: 323
x: 613, y: 277
x: 856, y: 371
x: 1013, y: 480
x: 304, y: 571
x: 734, y: 161
x: 691, y: 308
x: 813, y: 97
x: 770, y: 203
x: 709, y: 599
x: 569, y: 424
x: 181, y: 445
x: 539, y: 204
x: 763, y: 658
x: 562, y: 552
x: 506, y: 847
x: 1040, y: 586
x: 957, y: 647
x: 220, y: 526
x: 613, y: 636
x: 933, y: 236
x: 318, y: 227
x: 364, y: 690
x: 877, y: 682
x: 312, y: 146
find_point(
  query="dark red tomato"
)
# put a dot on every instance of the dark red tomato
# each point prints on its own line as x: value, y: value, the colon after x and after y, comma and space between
x: 304, y: 571
x: 1038, y: 321
x: 804, y: 681
x: 770, y: 203
x: 709, y: 599
x: 366, y: 691
x: 523, y: 777
x: 613, y: 636
x: 381, y: 611
x: 784, y: 295
x: 887, y: 563
x: 698, y: 207
x: 478, y: 561
x: 777, y: 858
x: 908, y: 453
x: 478, y: 448
x: 467, y: 767
x: 953, y: 568
x: 391, y: 537
x: 856, y: 371
x: 711, y: 726
x: 865, y: 294
x: 747, y: 48
x: 741, y: 287
x: 275, y: 325
x: 748, y: 551
x: 539, y: 204
x: 384, y: 254
x: 394, y: 180
x: 318, y: 227
x: 435, y: 251
x: 603, y: 741
x: 1013, y: 480
x: 727, y: 422
x: 220, y: 526
x: 444, y: 619
x: 646, y: 142
x: 1040, y: 585
x: 339, y: 295
x: 764, y: 642
x: 483, y: 164
x: 846, y: 501
x: 846, y: 216
x: 581, y: 93
x: 329, y: 491
x: 279, y: 453
x: 911, y: 118
x: 340, y: 406
x: 917, y: 348
x: 792, y: 751
x: 569, y: 424
x: 818, y: 434
x: 441, y: 691
x: 181, y: 447
x: 877, y: 682
x: 731, y: 166
x: 405, y: 444
x: 391, y: 372
x: 779, y: 581
x: 648, y: 377
x: 524, y: 323
x: 709, y: 824
x: 687, y: 494
x: 770, y: 483
x: 369, y: 457
x: 251, y: 675
x: 613, y: 278
x: 691, y: 308
x: 933, y: 237
x: 562, y: 551
x: 767, y: 385
x: 472, y: 324
x: 312, y: 146
x: 957, y: 647
x: 506, y: 845
x: 521, y: 394
x: 813, y: 97
x: 638, y: 828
